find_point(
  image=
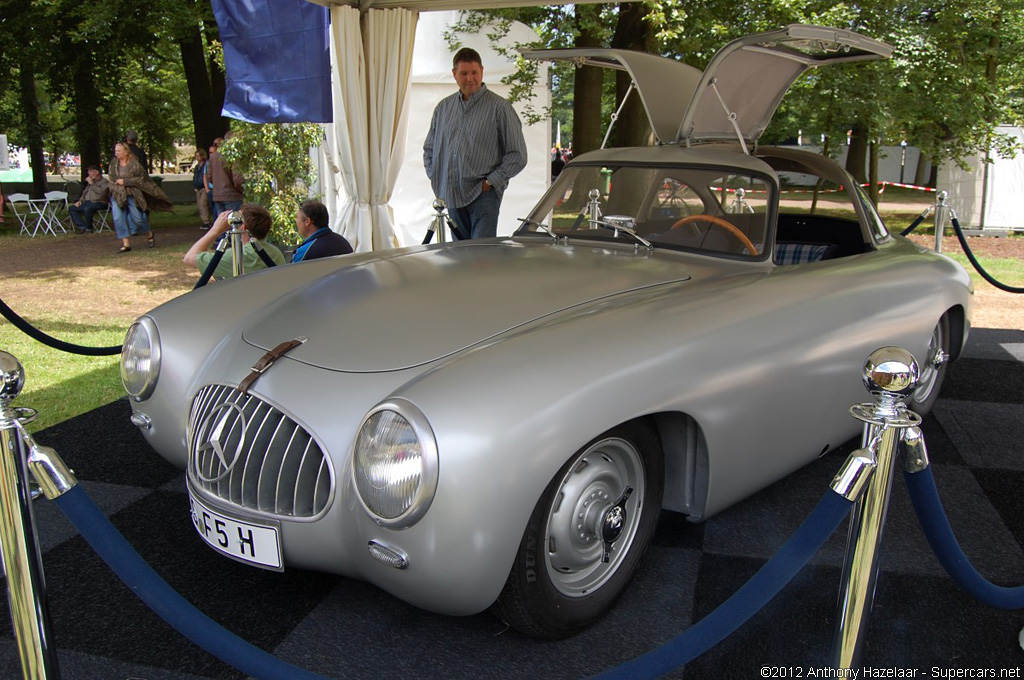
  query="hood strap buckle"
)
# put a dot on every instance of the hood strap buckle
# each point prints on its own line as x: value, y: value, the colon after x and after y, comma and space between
x: 266, y: 361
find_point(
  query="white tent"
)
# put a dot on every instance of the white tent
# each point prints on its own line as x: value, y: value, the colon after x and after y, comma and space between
x: 384, y: 94
x: 989, y: 195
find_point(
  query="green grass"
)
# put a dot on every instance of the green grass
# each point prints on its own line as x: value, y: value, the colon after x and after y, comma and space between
x: 1006, y: 271
x: 61, y: 385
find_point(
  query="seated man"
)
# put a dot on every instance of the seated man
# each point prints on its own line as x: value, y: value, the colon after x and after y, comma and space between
x: 256, y: 225
x: 95, y: 197
x: 319, y: 241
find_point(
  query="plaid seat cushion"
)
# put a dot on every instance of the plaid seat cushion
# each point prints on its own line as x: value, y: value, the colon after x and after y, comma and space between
x: 799, y: 253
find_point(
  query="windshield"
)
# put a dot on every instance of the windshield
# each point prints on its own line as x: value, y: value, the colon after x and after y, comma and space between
x: 708, y: 210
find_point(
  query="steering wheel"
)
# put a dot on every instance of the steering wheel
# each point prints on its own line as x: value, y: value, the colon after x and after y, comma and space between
x: 728, y: 226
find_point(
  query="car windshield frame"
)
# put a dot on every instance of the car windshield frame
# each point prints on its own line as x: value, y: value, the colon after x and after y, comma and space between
x: 563, y: 188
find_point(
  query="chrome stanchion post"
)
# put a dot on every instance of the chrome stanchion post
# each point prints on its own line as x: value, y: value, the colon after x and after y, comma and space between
x: 890, y: 374
x: 940, y: 218
x: 594, y: 208
x: 26, y: 585
x: 439, y: 220
x: 235, y: 220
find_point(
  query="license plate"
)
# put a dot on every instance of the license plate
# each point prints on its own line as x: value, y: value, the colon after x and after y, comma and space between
x: 257, y: 544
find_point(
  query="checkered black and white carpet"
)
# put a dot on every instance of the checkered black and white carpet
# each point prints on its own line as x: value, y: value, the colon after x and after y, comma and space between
x: 347, y: 629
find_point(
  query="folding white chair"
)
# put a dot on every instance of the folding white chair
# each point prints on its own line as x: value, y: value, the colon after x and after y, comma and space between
x: 101, y: 220
x: 24, y: 215
x: 38, y: 211
x: 56, y: 209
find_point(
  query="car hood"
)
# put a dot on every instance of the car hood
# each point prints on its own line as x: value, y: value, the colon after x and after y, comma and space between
x: 406, y: 309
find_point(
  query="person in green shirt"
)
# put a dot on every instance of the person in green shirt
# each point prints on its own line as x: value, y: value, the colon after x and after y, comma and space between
x: 256, y: 224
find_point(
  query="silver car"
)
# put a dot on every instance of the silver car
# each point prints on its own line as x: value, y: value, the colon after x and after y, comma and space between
x: 499, y: 422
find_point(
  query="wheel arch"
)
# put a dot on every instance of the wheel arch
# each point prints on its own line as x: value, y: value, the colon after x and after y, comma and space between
x: 957, y: 330
x: 686, y: 462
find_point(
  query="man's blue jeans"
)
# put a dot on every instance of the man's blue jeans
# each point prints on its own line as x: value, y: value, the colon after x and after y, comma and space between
x: 82, y: 215
x: 479, y: 219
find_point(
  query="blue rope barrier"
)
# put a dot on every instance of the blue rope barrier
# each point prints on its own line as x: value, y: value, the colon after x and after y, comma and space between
x: 119, y: 555
x: 210, y: 268
x: 36, y: 334
x: 745, y: 602
x: 931, y: 514
x: 974, y: 261
x: 914, y: 224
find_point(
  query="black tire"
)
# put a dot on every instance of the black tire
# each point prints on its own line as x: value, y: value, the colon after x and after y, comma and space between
x: 932, y: 369
x: 559, y: 584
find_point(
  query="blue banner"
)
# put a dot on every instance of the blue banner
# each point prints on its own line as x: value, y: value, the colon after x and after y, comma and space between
x: 277, y: 60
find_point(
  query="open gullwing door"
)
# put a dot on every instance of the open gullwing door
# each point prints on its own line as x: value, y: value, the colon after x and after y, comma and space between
x: 737, y: 94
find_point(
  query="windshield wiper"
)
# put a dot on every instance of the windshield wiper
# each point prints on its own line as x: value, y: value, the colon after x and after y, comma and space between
x: 619, y: 227
x: 527, y: 222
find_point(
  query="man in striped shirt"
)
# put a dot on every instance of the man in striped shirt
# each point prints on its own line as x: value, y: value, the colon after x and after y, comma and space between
x: 474, y: 147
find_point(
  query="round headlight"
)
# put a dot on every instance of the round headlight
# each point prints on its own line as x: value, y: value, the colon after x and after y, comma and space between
x: 395, y: 464
x: 140, y: 359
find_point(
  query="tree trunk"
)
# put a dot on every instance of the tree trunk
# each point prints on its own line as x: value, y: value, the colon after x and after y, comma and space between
x: 87, y: 118
x: 205, y: 111
x: 33, y: 129
x: 857, y: 153
x: 588, y: 86
x: 633, y: 127
x: 217, y: 84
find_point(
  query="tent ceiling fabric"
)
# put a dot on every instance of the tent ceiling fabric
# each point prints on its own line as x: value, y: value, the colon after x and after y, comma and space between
x: 441, y: 5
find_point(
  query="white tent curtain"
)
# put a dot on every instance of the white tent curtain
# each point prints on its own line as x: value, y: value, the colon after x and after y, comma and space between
x: 365, y: 143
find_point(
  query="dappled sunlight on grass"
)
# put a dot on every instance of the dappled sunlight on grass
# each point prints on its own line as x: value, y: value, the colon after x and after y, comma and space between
x: 59, y: 384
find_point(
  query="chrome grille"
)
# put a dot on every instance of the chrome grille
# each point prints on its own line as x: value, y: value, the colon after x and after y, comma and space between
x: 246, y: 452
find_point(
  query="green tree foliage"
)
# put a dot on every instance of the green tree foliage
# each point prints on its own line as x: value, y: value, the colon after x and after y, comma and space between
x: 153, y: 100
x: 957, y: 70
x: 95, y: 69
x: 274, y: 159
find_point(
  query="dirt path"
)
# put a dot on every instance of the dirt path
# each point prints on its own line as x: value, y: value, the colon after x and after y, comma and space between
x: 77, y: 277
x: 993, y: 308
x: 82, y: 277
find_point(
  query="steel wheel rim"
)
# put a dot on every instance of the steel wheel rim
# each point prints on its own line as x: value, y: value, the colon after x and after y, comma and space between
x: 935, y: 358
x: 593, y: 483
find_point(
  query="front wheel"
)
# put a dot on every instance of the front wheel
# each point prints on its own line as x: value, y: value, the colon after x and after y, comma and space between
x: 586, y: 536
x: 932, y: 369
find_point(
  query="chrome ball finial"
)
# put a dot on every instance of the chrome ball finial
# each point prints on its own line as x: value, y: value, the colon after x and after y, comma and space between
x: 438, y: 204
x: 12, y: 376
x: 594, y: 194
x: 892, y: 371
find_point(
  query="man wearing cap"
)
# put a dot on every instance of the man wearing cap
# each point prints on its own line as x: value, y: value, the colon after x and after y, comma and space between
x: 95, y: 197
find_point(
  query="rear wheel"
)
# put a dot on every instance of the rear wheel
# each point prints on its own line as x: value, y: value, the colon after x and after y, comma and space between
x: 932, y: 369
x: 586, y: 536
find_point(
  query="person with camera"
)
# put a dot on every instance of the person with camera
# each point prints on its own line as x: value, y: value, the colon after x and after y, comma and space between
x: 255, y: 225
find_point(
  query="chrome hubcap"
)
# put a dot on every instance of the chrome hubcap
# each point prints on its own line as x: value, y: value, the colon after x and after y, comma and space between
x: 931, y: 366
x: 594, y: 517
